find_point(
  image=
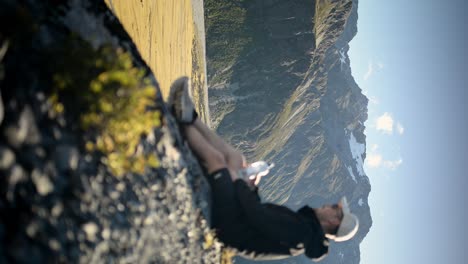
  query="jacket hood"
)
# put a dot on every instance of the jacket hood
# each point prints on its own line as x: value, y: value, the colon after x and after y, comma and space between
x: 317, y: 246
x: 309, y: 216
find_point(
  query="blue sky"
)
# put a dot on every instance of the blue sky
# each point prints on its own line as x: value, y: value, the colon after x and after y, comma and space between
x: 409, y: 59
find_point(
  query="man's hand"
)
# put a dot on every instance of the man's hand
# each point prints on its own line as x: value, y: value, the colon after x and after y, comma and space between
x: 255, y: 180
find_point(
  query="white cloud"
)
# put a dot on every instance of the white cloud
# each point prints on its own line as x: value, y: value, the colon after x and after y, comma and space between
x: 373, y: 100
x: 370, y: 71
x: 374, y: 160
x: 392, y: 164
x: 400, y: 128
x: 385, y: 123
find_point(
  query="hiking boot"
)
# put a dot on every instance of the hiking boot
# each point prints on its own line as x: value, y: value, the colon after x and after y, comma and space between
x: 180, y: 101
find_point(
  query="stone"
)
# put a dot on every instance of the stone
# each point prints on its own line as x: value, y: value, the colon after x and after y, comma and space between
x: 31, y: 229
x: 66, y: 157
x: 57, y: 209
x: 7, y: 158
x: 54, y: 244
x: 17, y: 175
x: 42, y: 182
x: 90, y: 230
x: 52, y: 180
x: 24, y: 131
x: 2, y: 111
x: 106, y: 233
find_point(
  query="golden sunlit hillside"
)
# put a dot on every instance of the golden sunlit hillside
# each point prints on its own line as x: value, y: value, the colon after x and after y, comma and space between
x: 170, y: 38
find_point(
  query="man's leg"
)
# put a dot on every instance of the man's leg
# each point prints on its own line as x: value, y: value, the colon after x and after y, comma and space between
x: 180, y: 101
x: 213, y: 159
x: 225, y: 214
x: 234, y: 158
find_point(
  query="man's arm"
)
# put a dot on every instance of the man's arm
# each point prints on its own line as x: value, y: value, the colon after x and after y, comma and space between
x: 224, y: 207
x: 281, y: 224
x: 275, y: 221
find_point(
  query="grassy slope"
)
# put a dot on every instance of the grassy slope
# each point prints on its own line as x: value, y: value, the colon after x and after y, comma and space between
x: 167, y: 38
x: 163, y: 31
x: 303, y: 102
x: 226, y: 36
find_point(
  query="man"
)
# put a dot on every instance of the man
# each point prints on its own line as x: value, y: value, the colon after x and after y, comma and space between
x: 257, y: 230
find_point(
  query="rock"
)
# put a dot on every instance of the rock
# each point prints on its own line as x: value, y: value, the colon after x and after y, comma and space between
x: 17, y: 175
x: 3, y: 50
x: 27, y: 118
x: 7, y: 158
x: 57, y: 209
x: 42, y: 182
x: 25, y: 131
x: 31, y: 229
x: 54, y: 244
x: 64, y: 203
x: 106, y: 233
x: 15, y: 135
x: 2, y: 112
x: 90, y: 229
x: 66, y: 157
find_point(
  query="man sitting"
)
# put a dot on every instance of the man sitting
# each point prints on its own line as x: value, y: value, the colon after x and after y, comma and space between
x: 257, y: 230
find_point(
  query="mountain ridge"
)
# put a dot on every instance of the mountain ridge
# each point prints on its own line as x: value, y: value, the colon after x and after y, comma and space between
x: 310, y: 122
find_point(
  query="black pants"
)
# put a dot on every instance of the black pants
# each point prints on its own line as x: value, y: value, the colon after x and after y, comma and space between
x: 226, y: 215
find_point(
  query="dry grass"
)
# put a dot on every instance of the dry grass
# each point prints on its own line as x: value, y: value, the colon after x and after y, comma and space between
x: 163, y: 31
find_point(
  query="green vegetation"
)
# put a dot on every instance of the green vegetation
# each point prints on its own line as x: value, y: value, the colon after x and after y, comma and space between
x: 226, y: 35
x: 108, y: 96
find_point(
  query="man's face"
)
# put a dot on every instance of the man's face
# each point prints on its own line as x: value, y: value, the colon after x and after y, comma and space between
x: 331, y: 212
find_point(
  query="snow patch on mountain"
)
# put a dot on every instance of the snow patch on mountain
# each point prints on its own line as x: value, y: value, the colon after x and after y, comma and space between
x: 360, y: 202
x: 350, y: 170
x: 357, y: 150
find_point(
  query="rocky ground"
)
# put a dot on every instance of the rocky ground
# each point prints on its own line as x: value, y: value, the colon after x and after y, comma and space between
x: 59, y: 198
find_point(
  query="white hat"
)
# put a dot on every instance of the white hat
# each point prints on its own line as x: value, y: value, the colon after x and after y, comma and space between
x: 349, y: 224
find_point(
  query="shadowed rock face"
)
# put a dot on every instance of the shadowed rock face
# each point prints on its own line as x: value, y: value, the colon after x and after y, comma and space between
x: 290, y: 99
x: 58, y: 201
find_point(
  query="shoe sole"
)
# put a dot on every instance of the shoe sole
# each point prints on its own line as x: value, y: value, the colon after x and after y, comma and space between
x: 180, y: 100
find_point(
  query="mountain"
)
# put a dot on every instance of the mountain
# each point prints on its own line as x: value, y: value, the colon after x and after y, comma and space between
x: 281, y: 90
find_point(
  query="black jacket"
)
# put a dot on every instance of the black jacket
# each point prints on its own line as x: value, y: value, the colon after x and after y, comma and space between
x: 263, y: 230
